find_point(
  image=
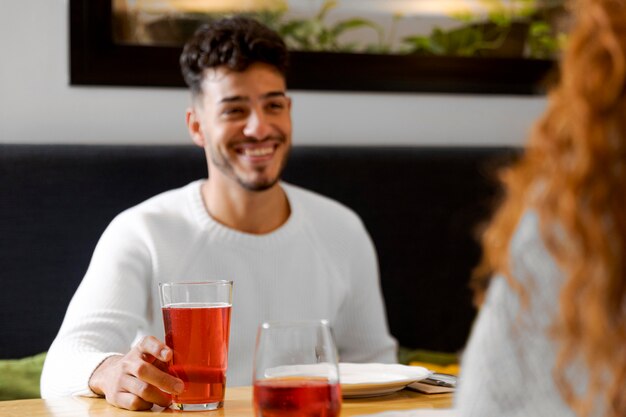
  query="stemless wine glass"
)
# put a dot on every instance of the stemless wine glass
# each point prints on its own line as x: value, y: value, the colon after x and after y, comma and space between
x: 295, y: 370
x: 196, y: 316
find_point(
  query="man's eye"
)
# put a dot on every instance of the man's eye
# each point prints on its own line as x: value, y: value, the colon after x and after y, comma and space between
x: 276, y: 106
x: 233, y: 111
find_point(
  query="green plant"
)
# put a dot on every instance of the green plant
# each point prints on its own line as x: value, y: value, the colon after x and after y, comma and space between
x: 541, y: 42
x: 483, y: 36
x: 504, y: 13
x: 464, y: 41
x: 315, y: 35
x: 509, y: 28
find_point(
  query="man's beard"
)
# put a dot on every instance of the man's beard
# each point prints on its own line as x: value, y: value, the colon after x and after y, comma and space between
x: 225, y: 166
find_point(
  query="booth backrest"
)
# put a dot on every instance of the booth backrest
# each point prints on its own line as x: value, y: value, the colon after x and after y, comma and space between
x: 421, y: 206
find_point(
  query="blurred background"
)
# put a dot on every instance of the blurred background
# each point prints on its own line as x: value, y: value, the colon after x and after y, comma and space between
x: 37, y: 104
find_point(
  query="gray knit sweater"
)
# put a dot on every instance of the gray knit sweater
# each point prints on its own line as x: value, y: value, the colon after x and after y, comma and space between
x: 507, y: 367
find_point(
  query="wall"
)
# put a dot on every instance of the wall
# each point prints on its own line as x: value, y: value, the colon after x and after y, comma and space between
x: 37, y: 105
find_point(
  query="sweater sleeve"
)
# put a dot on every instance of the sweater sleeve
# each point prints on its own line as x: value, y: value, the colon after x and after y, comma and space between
x: 490, y: 374
x: 361, y: 331
x: 508, y: 363
x: 104, y: 314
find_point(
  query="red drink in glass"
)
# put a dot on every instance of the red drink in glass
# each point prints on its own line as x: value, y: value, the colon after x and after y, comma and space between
x: 294, y: 396
x: 198, y: 335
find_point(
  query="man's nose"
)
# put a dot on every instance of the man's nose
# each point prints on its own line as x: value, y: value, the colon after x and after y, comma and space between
x: 257, y: 126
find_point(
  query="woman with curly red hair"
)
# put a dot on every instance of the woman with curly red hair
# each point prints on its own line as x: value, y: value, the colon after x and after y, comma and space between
x: 550, y: 338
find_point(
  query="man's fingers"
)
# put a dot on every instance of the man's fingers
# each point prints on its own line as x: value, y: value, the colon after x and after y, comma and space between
x: 149, y: 373
x: 152, y: 346
x: 128, y: 401
x: 146, y: 392
x: 164, y: 366
x: 160, y: 379
x: 138, y: 379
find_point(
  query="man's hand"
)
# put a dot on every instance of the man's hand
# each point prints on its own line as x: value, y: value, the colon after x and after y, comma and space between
x: 138, y: 379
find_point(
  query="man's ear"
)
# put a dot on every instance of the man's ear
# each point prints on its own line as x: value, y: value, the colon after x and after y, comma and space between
x: 194, y: 127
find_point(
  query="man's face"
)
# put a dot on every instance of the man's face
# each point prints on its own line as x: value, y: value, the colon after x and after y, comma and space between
x: 244, y: 123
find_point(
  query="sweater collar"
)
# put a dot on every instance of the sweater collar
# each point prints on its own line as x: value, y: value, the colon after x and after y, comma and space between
x: 226, y: 234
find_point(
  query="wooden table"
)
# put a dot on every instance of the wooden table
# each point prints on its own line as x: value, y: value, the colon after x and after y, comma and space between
x: 238, y: 403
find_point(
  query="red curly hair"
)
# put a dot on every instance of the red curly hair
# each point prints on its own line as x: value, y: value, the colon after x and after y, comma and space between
x: 573, y: 175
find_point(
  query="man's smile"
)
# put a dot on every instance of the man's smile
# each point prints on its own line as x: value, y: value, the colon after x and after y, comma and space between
x: 257, y: 151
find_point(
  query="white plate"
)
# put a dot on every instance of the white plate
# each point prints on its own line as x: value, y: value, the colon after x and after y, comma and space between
x: 359, y: 379
x: 373, y: 379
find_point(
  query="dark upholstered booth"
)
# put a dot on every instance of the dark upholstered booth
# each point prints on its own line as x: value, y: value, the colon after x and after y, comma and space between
x: 421, y: 206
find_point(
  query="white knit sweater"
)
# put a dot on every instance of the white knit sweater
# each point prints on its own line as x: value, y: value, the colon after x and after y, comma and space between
x: 508, y: 364
x: 320, y: 264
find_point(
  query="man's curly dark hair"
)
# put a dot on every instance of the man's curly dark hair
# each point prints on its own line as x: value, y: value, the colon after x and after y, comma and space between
x: 236, y: 43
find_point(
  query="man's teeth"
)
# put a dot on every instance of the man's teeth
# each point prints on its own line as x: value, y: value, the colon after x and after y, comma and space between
x: 258, y: 151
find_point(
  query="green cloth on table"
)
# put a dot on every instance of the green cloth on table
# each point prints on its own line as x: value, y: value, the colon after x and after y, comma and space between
x: 19, y: 378
x: 407, y: 355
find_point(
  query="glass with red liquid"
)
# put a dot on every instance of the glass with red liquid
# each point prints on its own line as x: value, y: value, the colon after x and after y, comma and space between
x: 196, y: 317
x: 295, y: 370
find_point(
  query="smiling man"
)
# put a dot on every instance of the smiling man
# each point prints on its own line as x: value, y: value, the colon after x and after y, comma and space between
x: 292, y: 254
x: 242, y: 120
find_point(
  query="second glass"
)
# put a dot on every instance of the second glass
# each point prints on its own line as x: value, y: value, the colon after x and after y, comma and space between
x: 295, y: 370
x: 196, y: 316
